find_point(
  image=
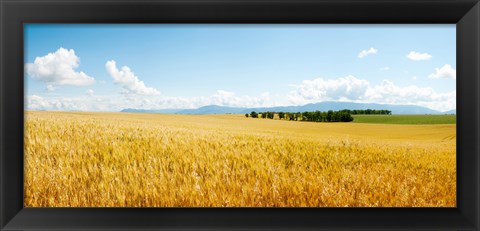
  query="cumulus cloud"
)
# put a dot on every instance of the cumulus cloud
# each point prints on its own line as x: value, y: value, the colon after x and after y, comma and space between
x: 76, y: 103
x: 370, y: 51
x: 346, y: 88
x: 220, y: 97
x: 115, y: 103
x: 416, y: 56
x: 388, y: 92
x: 58, y: 68
x: 226, y: 98
x: 352, y: 89
x: 50, y: 88
x: 128, y: 80
x: 35, y: 102
x: 446, y: 71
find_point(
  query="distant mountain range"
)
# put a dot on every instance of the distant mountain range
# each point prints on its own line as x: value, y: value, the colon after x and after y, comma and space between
x: 454, y: 111
x: 164, y: 111
x: 322, y: 106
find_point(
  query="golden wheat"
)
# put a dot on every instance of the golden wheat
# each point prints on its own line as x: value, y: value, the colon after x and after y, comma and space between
x: 153, y: 160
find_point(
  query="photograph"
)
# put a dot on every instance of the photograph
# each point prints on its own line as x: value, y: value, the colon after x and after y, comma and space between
x: 239, y: 115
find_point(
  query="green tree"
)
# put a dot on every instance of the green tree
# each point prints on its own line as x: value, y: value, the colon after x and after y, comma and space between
x: 270, y: 115
x: 329, y: 116
x: 306, y: 116
x: 317, y: 116
x: 298, y: 115
x: 290, y: 116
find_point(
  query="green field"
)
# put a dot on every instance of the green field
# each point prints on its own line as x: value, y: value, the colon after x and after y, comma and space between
x: 405, y: 119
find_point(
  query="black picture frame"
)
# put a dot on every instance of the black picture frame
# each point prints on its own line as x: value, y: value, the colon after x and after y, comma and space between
x: 14, y: 13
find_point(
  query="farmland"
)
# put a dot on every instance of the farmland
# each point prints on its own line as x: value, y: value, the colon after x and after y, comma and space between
x: 405, y: 119
x: 75, y: 159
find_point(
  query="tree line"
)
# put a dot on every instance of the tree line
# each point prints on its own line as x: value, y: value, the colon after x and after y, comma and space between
x: 369, y: 112
x: 318, y: 116
x: 314, y: 116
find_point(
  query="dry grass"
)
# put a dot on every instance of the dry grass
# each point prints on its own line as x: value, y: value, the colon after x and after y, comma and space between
x: 144, y: 160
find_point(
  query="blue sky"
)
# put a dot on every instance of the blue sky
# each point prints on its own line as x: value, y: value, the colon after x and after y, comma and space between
x: 75, y: 67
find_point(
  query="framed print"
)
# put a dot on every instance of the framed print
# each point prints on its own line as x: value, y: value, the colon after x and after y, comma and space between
x: 161, y: 115
x: 366, y: 139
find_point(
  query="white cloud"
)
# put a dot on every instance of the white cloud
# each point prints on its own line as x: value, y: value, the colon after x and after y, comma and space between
x: 388, y: 92
x: 347, y: 89
x: 352, y: 89
x: 446, y: 71
x: 385, y: 68
x: 414, y: 77
x: 58, y: 69
x: 78, y: 103
x: 35, y: 102
x: 310, y: 91
x: 416, y: 56
x: 220, y: 97
x: 115, y: 103
x: 226, y: 98
x: 370, y: 51
x: 50, y: 88
x: 128, y: 81
x: 90, y: 92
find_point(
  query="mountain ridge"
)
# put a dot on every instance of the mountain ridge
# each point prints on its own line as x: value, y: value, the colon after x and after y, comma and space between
x: 322, y: 106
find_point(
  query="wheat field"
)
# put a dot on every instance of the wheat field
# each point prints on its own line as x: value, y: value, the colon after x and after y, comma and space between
x: 160, y: 160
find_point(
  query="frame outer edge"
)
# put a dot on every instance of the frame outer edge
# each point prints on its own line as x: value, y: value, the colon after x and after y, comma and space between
x: 3, y: 221
x: 2, y: 162
x: 468, y: 65
x: 476, y: 219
